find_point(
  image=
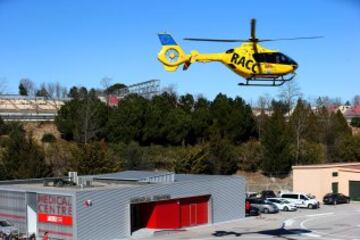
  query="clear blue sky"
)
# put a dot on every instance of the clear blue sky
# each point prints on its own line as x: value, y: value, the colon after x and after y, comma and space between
x: 80, y: 42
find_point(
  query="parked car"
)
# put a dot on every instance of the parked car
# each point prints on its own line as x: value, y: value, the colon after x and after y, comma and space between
x: 335, y: 198
x: 263, y: 205
x: 8, y: 228
x: 252, y: 194
x: 301, y: 200
x: 267, y: 194
x: 283, y: 204
x: 251, y: 210
x: 254, y: 211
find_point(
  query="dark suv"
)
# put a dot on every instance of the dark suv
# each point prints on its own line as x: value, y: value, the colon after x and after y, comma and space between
x: 267, y: 194
x: 335, y: 198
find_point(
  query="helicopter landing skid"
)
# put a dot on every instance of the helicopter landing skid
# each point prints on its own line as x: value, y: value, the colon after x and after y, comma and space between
x: 269, y: 82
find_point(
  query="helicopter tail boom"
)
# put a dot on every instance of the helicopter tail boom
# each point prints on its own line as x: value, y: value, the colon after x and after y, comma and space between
x: 171, y: 55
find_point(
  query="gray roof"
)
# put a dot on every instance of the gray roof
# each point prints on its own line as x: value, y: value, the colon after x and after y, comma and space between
x: 126, y: 179
x: 131, y: 175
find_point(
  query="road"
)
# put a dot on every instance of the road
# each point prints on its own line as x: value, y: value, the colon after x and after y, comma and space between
x: 341, y: 222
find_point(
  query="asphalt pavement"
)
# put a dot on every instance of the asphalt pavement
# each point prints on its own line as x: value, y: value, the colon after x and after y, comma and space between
x: 340, y: 222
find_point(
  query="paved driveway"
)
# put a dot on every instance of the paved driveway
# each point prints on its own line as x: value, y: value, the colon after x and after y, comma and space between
x: 341, y: 222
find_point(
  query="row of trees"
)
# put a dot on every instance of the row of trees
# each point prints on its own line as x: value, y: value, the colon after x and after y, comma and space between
x: 165, y: 120
x: 51, y: 90
x: 220, y: 136
x: 180, y: 133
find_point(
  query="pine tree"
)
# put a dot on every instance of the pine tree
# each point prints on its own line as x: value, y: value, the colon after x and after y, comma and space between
x: 23, y: 158
x: 94, y: 159
x: 22, y: 90
x: 298, y: 123
x: 275, y: 141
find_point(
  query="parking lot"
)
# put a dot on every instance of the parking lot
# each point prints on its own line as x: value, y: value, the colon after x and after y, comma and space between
x: 340, y: 222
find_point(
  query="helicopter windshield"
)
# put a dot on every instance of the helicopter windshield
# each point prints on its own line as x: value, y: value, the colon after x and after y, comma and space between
x: 274, y: 57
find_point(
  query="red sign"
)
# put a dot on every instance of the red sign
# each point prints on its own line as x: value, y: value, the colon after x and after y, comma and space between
x: 57, y: 219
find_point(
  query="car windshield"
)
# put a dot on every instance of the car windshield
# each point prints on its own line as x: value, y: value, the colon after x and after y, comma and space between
x: 4, y: 223
x: 310, y: 196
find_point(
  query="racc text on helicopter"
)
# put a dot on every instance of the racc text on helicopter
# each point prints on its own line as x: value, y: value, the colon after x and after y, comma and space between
x: 258, y: 65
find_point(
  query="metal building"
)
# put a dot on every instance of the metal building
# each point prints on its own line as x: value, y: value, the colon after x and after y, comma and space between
x: 115, y: 206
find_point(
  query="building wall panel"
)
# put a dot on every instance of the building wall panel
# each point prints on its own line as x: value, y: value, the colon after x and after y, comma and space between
x: 103, y: 222
x: 55, y: 215
x: 13, y: 208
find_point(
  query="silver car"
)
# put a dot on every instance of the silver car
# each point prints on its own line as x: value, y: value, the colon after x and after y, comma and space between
x: 263, y: 205
x: 7, y: 228
x: 283, y: 204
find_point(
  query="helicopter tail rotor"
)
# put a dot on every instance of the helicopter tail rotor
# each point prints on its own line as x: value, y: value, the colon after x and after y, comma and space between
x: 171, y: 55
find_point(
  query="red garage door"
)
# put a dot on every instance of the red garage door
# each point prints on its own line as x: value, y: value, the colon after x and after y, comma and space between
x: 194, y: 211
x: 170, y: 214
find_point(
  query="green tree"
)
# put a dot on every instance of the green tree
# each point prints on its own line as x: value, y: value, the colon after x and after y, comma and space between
x: 3, y: 127
x: 347, y: 149
x: 74, y: 93
x: 94, y: 159
x: 223, y: 156
x: 201, y: 121
x: 220, y: 110
x: 355, y: 122
x: 313, y: 128
x: 280, y: 106
x: 127, y: 120
x: 23, y: 158
x: 48, y: 138
x: 115, y: 88
x: 63, y: 157
x: 155, y: 128
x: 42, y: 92
x: 275, y: 141
x: 133, y: 157
x: 187, y: 102
x: 22, y: 90
x: 298, y: 124
x: 241, y: 124
x: 177, y: 126
x: 232, y: 119
x: 310, y: 152
x: 339, y: 124
x: 250, y: 155
x: 82, y: 119
x: 196, y: 160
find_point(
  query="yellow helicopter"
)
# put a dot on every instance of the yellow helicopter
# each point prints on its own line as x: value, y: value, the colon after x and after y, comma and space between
x: 258, y: 65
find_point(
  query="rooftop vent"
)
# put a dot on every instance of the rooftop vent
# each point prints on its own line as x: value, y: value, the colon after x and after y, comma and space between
x: 73, y: 177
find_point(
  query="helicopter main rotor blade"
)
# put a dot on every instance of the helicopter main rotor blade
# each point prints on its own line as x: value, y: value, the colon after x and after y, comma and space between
x: 253, y: 29
x: 290, y: 39
x: 215, y: 40
x: 257, y: 51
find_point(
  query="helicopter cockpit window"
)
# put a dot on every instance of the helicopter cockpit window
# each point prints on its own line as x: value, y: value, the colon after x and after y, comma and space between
x: 273, y: 58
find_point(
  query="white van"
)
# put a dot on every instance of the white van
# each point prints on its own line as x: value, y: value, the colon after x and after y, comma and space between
x: 301, y: 200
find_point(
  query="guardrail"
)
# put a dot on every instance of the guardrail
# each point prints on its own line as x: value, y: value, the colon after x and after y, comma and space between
x: 28, y: 117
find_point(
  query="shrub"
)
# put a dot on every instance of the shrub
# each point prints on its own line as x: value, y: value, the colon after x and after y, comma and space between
x: 48, y: 138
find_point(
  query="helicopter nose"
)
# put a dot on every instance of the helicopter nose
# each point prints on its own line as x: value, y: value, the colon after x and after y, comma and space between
x: 295, y: 66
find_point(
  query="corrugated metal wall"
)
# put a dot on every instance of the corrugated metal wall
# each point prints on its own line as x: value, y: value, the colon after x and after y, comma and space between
x: 109, y: 215
x: 57, y: 231
x: 13, y: 208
